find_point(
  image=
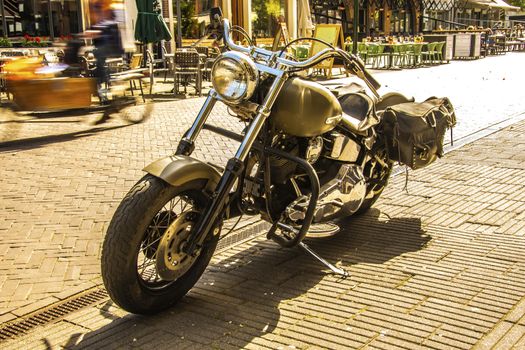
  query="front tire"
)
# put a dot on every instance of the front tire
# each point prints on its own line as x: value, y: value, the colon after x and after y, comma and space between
x: 148, y: 214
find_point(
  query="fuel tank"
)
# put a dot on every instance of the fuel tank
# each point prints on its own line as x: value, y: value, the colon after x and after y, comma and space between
x: 305, y: 109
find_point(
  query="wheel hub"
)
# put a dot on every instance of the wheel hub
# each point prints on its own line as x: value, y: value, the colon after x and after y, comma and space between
x: 171, y: 261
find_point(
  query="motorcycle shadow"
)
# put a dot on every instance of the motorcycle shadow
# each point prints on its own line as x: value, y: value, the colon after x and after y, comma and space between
x: 257, y: 293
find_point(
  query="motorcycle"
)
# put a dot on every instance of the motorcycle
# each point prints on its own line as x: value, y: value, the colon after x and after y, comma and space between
x: 308, y: 156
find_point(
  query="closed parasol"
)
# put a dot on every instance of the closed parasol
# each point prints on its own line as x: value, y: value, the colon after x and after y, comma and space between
x: 150, y: 25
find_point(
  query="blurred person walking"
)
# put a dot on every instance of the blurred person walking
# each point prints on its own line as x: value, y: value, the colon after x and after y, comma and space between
x: 106, y: 39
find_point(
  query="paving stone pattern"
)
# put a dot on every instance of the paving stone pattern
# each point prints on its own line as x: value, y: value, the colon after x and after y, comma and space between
x: 61, y: 181
x: 439, y: 266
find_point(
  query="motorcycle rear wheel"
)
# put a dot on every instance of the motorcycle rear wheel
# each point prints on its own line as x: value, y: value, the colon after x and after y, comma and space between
x: 136, y: 234
x: 374, y: 191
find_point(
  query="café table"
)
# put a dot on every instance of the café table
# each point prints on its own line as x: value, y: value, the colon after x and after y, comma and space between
x: 396, y: 49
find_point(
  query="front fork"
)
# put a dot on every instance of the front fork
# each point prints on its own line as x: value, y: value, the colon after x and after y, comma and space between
x: 235, y: 165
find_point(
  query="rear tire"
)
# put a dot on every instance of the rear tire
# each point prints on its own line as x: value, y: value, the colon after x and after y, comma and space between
x: 129, y: 268
x: 374, y: 190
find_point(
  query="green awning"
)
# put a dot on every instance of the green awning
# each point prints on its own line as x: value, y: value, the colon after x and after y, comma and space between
x: 150, y: 26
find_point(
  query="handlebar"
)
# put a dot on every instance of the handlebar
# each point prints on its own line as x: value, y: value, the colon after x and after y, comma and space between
x: 355, y: 65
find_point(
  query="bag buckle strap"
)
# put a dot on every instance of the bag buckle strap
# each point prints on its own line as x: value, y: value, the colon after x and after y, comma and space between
x: 432, y: 121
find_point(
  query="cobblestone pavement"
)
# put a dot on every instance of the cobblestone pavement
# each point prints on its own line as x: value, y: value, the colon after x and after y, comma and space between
x: 63, y: 177
x: 438, y: 267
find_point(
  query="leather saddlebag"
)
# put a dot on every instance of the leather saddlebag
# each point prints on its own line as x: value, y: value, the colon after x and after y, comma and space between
x: 414, y: 131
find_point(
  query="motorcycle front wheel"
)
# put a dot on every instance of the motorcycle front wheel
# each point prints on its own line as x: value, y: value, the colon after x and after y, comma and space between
x: 143, y: 266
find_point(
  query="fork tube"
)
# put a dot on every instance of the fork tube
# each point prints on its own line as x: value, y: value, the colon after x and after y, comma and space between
x: 187, y: 143
x: 234, y: 168
x: 258, y: 122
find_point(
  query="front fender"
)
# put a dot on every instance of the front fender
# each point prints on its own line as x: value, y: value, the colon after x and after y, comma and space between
x: 178, y: 170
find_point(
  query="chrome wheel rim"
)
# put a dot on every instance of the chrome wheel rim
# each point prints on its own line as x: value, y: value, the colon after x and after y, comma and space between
x: 159, y: 226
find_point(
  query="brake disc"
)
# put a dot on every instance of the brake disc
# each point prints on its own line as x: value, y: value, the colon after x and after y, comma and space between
x: 172, y: 262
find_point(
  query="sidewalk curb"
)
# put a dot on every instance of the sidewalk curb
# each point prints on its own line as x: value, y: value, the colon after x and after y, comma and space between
x: 465, y: 140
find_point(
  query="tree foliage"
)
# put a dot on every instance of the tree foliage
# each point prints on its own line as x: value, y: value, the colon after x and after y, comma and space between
x: 519, y: 3
x: 265, y: 14
x: 189, y: 24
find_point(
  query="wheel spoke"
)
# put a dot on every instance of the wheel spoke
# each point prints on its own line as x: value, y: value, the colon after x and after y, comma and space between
x: 152, y: 243
x: 147, y: 259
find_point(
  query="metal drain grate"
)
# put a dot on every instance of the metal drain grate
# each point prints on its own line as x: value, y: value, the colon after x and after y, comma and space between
x: 51, y: 313
x: 55, y: 312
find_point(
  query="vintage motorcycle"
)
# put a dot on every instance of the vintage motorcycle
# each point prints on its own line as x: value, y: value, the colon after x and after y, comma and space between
x: 308, y: 156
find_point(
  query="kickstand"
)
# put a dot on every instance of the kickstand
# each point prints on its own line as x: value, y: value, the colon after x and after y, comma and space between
x: 336, y: 270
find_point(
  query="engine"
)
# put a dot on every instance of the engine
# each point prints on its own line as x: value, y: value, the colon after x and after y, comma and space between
x: 343, y: 185
x: 341, y: 196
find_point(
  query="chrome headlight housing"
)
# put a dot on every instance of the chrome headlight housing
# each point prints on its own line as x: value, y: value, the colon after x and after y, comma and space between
x: 234, y: 76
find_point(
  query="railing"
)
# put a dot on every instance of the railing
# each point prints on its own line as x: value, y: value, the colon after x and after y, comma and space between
x: 436, y: 20
x: 489, y: 23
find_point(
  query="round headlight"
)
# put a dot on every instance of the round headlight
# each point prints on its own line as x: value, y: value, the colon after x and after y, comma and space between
x: 234, y: 76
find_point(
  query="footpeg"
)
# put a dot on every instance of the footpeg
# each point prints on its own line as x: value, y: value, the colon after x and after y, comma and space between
x: 334, y: 269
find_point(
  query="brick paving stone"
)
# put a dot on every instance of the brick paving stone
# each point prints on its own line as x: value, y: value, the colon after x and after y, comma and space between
x: 512, y: 337
x: 439, y: 266
x: 517, y: 313
x: 388, y: 341
x: 35, y: 306
x: 499, y: 331
x: 520, y: 344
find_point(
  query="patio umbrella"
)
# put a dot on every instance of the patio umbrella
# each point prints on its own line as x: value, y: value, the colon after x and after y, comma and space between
x: 150, y: 25
x: 305, y: 23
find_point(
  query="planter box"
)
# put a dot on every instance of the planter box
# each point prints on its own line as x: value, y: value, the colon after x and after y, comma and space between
x: 448, y: 48
x: 467, y: 45
x: 52, y: 94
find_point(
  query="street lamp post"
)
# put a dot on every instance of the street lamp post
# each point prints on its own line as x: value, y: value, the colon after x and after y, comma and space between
x: 355, y: 37
x: 4, y: 23
x: 172, y: 25
x: 179, y: 25
x: 51, y: 24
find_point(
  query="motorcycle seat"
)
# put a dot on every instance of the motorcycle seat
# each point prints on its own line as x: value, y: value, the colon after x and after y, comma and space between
x: 391, y: 99
x: 358, y: 113
x: 340, y: 90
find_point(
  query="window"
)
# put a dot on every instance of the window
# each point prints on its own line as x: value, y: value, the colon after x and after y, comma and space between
x: 37, y: 18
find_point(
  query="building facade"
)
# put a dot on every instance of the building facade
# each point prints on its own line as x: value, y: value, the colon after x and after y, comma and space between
x: 260, y: 18
x: 49, y: 18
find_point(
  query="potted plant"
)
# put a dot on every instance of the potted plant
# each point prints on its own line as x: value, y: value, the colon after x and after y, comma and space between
x: 5, y: 42
x: 34, y: 41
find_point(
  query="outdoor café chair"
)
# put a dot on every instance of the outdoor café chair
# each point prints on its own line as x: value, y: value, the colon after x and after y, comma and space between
x: 206, y: 62
x: 362, y: 51
x: 156, y: 65
x: 439, y: 51
x: 134, y: 73
x: 429, y: 53
x: 187, y: 68
x: 414, y: 54
x: 403, y: 55
x: 372, y: 53
x: 399, y: 55
x: 381, y: 56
